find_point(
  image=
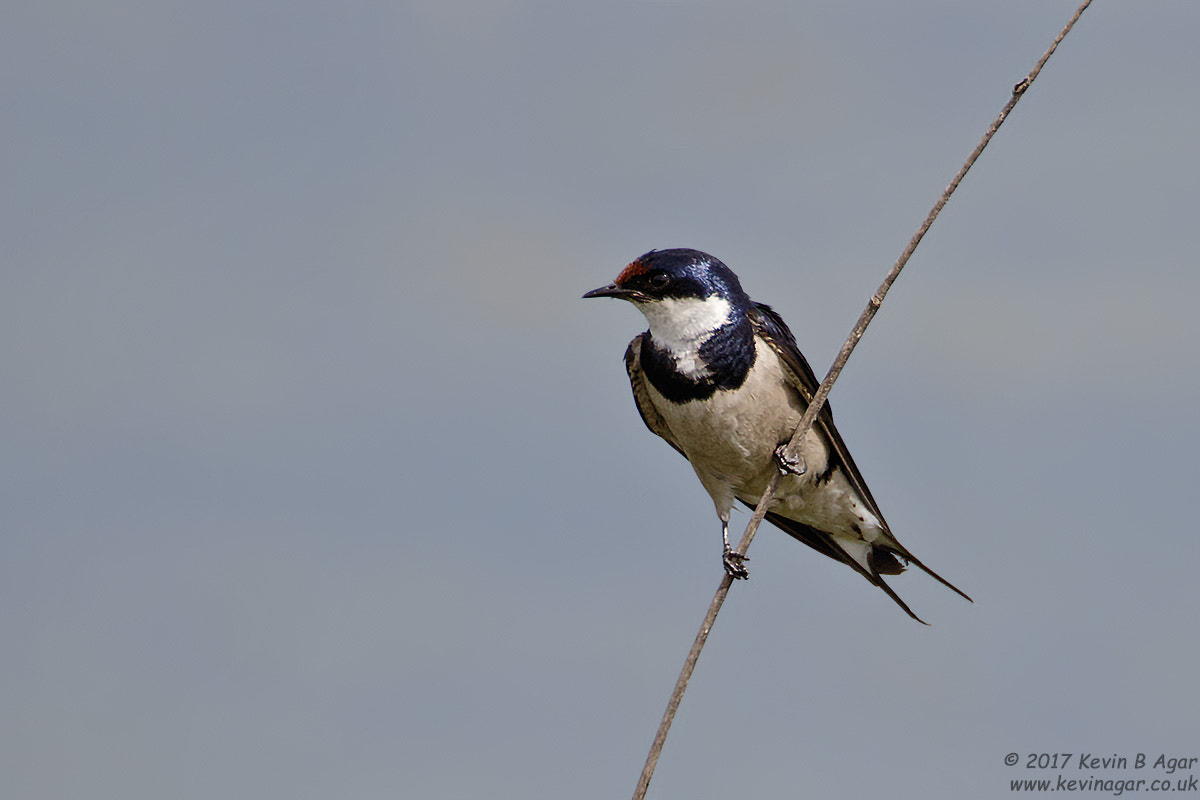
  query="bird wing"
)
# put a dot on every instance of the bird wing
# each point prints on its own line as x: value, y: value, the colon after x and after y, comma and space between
x: 769, y: 326
x: 774, y: 331
x: 641, y: 395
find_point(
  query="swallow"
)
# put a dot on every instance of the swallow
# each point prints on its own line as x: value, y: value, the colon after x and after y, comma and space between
x: 721, y: 379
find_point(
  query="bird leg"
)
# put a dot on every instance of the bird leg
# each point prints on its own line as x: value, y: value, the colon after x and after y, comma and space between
x: 734, y: 562
x: 789, y: 463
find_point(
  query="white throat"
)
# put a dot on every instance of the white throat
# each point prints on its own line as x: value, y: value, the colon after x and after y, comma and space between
x: 681, y: 325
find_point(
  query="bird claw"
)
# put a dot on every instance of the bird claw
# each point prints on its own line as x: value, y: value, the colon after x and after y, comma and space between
x: 787, y: 463
x: 735, y: 564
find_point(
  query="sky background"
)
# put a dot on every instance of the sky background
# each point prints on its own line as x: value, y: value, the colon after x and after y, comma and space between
x: 318, y: 479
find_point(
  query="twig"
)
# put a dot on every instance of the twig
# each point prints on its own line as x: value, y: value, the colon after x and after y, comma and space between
x: 818, y: 401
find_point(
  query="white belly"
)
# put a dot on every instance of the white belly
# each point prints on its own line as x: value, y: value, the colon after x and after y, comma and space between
x: 730, y: 439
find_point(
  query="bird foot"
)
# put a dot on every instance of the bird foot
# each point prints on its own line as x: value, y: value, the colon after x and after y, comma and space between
x: 735, y: 564
x: 788, y: 463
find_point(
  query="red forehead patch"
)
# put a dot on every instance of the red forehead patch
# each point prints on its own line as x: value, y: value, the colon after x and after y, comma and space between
x: 636, y: 267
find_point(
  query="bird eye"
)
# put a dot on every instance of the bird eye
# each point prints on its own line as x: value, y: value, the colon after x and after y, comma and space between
x: 659, y: 281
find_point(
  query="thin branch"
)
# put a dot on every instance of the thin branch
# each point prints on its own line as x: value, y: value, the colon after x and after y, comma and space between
x: 818, y: 401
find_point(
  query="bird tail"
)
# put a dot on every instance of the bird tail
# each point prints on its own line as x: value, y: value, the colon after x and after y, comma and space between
x: 876, y: 560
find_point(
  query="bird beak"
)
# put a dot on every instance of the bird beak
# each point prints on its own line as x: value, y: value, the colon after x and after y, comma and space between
x: 611, y: 290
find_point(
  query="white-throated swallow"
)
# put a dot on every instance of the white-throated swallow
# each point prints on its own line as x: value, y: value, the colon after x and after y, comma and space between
x: 720, y: 378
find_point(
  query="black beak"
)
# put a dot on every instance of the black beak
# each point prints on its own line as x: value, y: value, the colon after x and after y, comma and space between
x: 611, y: 290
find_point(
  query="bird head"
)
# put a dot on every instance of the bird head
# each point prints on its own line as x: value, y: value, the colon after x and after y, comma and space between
x: 684, y: 294
x: 677, y: 274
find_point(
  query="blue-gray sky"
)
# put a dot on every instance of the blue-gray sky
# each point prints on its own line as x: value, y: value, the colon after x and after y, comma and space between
x: 320, y: 480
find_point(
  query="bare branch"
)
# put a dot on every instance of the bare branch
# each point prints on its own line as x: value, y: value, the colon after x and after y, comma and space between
x: 818, y: 402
